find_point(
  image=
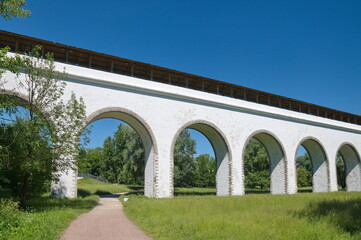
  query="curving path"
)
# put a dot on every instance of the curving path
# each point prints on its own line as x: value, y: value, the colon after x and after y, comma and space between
x: 106, y: 221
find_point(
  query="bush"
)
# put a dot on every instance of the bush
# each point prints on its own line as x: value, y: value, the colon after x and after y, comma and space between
x: 10, y: 217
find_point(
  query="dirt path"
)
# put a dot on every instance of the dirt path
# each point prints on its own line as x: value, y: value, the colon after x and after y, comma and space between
x: 106, y: 221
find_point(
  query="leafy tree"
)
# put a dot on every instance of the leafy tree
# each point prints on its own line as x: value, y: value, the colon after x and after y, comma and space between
x: 13, y: 8
x: 341, y: 171
x: 50, y: 123
x: 304, y: 171
x: 256, y: 165
x: 184, y: 165
x: 110, y: 167
x: 131, y: 148
x: 121, y: 160
x: 205, y: 171
x: 26, y: 158
x: 302, y: 177
x: 89, y: 160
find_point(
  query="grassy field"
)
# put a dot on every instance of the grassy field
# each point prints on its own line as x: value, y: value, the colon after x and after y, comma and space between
x: 88, y: 186
x: 253, y: 216
x: 45, y: 219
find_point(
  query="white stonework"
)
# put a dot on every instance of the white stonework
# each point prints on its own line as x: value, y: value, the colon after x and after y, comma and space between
x: 158, y: 112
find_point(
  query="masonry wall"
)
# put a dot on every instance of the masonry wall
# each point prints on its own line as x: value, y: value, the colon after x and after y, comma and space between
x: 159, y: 112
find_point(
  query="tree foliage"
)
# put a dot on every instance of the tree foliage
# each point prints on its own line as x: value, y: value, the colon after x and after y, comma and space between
x: 13, y: 8
x: 184, y: 164
x: 205, y: 171
x: 50, y: 125
x: 341, y: 171
x: 304, y: 170
x: 256, y: 165
x: 120, y: 160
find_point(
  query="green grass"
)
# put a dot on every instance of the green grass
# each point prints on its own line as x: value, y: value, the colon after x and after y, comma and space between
x: 88, y: 186
x: 253, y: 216
x: 45, y: 219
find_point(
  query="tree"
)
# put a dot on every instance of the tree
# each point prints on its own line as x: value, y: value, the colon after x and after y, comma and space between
x: 89, y: 160
x: 50, y: 123
x: 341, y: 171
x: 131, y: 148
x: 205, y: 171
x: 122, y: 157
x: 13, y: 8
x: 304, y: 170
x: 256, y: 165
x: 302, y: 177
x: 184, y: 165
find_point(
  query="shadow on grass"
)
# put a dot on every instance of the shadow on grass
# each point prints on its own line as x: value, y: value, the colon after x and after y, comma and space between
x: 193, y: 193
x: 84, y: 193
x: 344, y: 214
x: 257, y: 191
x: 49, y: 203
x: 305, y: 190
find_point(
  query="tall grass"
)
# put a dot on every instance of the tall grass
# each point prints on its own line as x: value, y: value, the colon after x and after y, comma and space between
x: 253, y: 216
x: 45, y: 219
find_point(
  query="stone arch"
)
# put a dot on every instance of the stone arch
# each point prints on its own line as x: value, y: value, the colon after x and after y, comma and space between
x: 278, y: 160
x: 145, y: 133
x: 353, y: 166
x: 319, y: 160
x: 221, y: 149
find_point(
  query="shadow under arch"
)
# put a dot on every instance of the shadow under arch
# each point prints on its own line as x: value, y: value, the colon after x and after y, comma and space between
x: 353, y: 166
x: 145, y: 133
x: 221, y: 149
x: 319, y: 160
x: 278, y: 160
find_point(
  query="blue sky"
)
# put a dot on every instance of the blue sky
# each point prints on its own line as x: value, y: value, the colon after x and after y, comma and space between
x: 307, y: 50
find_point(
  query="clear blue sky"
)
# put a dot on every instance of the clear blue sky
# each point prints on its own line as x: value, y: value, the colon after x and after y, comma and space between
x: 307, y: 50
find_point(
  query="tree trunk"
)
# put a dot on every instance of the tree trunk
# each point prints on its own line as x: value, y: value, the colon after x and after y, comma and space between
x: 25, y: 190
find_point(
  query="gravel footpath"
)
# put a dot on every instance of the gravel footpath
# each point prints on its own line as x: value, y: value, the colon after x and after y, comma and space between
x: 106, y: 221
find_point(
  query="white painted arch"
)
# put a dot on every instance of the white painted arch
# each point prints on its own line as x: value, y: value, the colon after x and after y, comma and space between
x: 145, y: 133
x: 320, y: 164
x: 276, y: 155
x: 353, y: 166
x: 221, y: 149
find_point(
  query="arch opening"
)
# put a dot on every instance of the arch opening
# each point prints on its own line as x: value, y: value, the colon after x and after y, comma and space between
x: 132, y: 126
x: 348, y: 168
x: 221, y: 155
x: 266, y: 148
x: 316, y: 164
x: 194, y: 164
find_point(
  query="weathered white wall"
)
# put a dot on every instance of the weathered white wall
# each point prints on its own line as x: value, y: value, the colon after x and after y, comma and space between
x: 158, y: 112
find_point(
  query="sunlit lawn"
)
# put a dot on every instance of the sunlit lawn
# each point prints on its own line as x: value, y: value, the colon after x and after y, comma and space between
x: 253, y: 216
x: 88, y: 186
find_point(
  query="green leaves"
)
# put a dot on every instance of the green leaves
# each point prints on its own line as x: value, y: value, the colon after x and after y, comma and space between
x: 13, y: 8
x: 184, y: 165
x: 256, y: 165
x: 36, y: 145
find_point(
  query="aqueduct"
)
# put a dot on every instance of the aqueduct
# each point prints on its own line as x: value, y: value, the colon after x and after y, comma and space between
x: 159, y: 103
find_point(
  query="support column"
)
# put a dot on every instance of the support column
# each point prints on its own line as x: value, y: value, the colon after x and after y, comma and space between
x: 333, y: 186
x: 237, y: 171
x: 291, y: 172
x: 66, y: 186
